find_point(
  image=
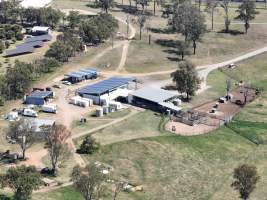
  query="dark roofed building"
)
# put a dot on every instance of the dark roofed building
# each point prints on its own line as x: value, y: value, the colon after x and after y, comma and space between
x: 39, y: 97
x: 77, y: 76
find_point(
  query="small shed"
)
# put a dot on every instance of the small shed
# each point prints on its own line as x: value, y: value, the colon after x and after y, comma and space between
x: 39, y: 97
x: 78, y: 76
x: 40, y: 30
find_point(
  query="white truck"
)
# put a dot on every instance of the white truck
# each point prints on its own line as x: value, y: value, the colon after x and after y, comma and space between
x: 49, y: 108
x: 29, y: 113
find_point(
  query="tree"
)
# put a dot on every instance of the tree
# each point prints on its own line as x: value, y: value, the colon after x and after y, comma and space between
x: 186, y: 79
x: 228, y: 87
x: 60, y: 51
x: 18, y: 79
x: 210, y: 7
x: 247, y: 12
x: 225, y: 4
x: 245, y: 180
x: 88, y: 145
x: 141, y: 21
x: 98, y: 28
x: 89, y: 181
x: 74, y: 19
x: 22, y: 180
x: 57, y: 146
x: 22, y: 132
x: 188, y: 21
x: 106, y: 4
x: 183, y: 48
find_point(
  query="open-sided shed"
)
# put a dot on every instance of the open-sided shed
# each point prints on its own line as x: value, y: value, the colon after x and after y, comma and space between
x: 154, y: 99
x: 77, y: 76
x: 38, y: 97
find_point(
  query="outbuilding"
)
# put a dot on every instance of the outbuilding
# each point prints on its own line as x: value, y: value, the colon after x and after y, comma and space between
x: 106, y: 90
x: 154, y: 99
x: 39, y: 97
x: 40, y: 30
x: 78, y: 76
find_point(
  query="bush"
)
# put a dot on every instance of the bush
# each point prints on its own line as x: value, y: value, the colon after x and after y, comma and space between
x: 19, y: 36
x: 7, y: 44
x: 88, y: 146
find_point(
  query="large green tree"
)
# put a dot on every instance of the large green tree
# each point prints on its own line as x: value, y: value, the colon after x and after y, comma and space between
x: 22, y: 180
x: 74, y: 19
x: 247, y: 12
x: 186, y: 79
x: 18, y: 79
x: 225, y: 4
x: 245, y: 180
x: 106, y: 4
x: 188, y: 21
x: 60, y: 51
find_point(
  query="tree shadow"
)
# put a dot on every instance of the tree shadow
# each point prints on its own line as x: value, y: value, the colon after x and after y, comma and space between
x: 168, y: 30
x: 232, y: 32
x: 173, y: 47
x: 92, y: 5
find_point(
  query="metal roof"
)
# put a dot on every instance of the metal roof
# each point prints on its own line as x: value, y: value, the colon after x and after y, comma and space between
x: 153, y: 94
x: 19, y: 50
x: 105, y: 85
x: 40, y: 94
x: 94, y: 71
x: 81, y: 73
x: 31, y: 44
x: 40, y: 28
x: 39, y: 38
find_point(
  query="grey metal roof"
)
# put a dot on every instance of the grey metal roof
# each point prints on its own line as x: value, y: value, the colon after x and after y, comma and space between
x: 40, y: 94
x: 31, y: 44
x: 19, y: 50
x: 39, y: 38
x: 153, y: 94
x: 81, y: 73
x: 105, y: 85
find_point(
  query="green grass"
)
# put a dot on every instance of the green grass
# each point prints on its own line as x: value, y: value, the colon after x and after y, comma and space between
x: 65, y: 193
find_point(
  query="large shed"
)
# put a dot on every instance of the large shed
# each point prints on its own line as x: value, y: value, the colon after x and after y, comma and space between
x: 106, y: 89
x: 154, y: 99
x: 39, y: 97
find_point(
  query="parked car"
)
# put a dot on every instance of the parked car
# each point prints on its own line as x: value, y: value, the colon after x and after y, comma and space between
x: 66, y: 82
x: 30, y: 113
x: 232, y: 66
x: 57, y: 86
x: 239, y: 102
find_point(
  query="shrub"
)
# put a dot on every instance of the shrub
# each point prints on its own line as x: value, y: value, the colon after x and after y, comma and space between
x: 88, y: 146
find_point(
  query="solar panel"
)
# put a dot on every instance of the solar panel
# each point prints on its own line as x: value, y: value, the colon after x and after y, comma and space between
x: 39, y: 38
x: 33, y: 44
x: 19, y: 50
x: 74, y: 75
x: 40, y: 94
x: 105, y: 85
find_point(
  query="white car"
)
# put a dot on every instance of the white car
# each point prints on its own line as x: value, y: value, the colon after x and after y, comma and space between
x: 66, y: 82
x: 232, y: 66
